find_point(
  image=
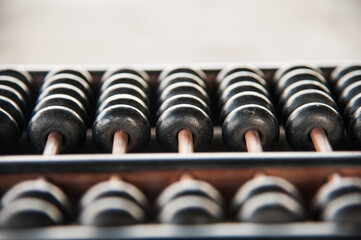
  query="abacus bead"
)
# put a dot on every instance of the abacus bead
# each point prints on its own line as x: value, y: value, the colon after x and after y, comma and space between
x: 77, y: 71
x: 263, y: 184
x: 123, y: 88
x: 71, y: 79
x: 349, y: 92
x: 248, y: 117
x: 342, y: 70
x: 303, y: 97
x: 344, y: 209
x: 182, y: 69
x: 294, y: 66
x: 295, y: 76
x: 30, y: 213
x: 271, y: 207
x: 125, y: 78
x: 191, y: 210
x: 244, y: 98
x: 188, y: 187
x: 128, y: 70
x: 18, y: 85
x: 241, y: 87
x: 309, y: 116
x: 239, y: 77
x: 180, y: 77
x: 183, y: 88
x: 57, y: 118
x: 352, y: 107
x: 112, y: 211
x: 184, y: 116
x: 334, y: 189
x: 124, y: 99
x: 121, y: 117
x: 39, y: 189
x: 112, y: 188
x: 346, y: 80
x: 9, y: 131
x: 14, y: 111
x: 64, y: 101
x: 183, y: 99
x: 15, y: 96
x: 67, y: 89
x: 299, y: 86
x: 231, y: 69
x: 354, y: 128
x: 17, y: 73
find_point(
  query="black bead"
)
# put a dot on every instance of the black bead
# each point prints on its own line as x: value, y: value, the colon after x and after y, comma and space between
x: 14, y: 111
x: 129, y: 70
x: 231, y: 69
x: 346, y: 80
x: 30, y: 213
x: 71, y: 79
x: 124, y: 99
x: 15, y: 96
x: 351, y: 107
x: 299, y: 86
x: 188, y: 187
x: 184, y: 116
x: 182, y: 69
x: 57, y: 118
x: 9, y: 131
x: 67, y: 89
x: 241, y: 87
x: 303, y: 97
x: 77, y: 71
x: 239, y: 77
x: 348, y: 93
x: 17, y: 73
x: 342, y: 70
x: 354, y: 127
x: 64, y: 101
x: 19, y: 86
x: 191, y: 210
x: 295, y: 76
x: 309, y: 116
x: 121, y: 117
x: 244, y: 98
x: 294, y: 66
x: 39, y: 189
x: 271, y: 207
x: 123, y: 88
x: 126, y: 78
x: 183, y: 88
x: 248, y: 117
x: 183, y: 99
x: 180, y: 77
x: 112, y: 211
x: 112, y: 188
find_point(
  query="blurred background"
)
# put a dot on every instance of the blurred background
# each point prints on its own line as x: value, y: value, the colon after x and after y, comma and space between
x: 192, y: 31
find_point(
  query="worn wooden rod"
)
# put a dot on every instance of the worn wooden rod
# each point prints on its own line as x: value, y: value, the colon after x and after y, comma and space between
x: 53, y: 144
x: 185, y: 141
x: 253, y: 141
x: 320, y: 140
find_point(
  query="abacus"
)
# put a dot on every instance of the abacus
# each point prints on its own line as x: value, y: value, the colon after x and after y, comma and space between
x: 142, y: 152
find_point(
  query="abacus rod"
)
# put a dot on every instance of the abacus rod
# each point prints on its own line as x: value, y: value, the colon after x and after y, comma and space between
x: 120, y: 142
x: 320, y: 140
x: 253, y: 141
x: 185, y: 141
x: 53, y: 144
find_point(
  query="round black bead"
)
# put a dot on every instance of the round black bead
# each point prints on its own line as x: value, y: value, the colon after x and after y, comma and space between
x: 9, y: 131
x: 77, y: 71
x: 346, y: 80
x: 342, y: 70
x: 57, y: 118
x: 121, y: 117
x: 17, y: 73
x: 127, y: 78
x: 309, y: 116
x: 14, y: 111
x: 182, y: 69
x: 294, y: 66
x: 184, y: 116
x: 231, y: 69
x: 129, y: 70
x: 180, y: 78
x: 247, y: 117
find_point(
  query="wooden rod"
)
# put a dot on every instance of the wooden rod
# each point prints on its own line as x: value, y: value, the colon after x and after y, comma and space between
x: 120, y: 142
x: 185, y: 141
x: 53, y: 144
x: 320, y: 140
x: 253, y: 141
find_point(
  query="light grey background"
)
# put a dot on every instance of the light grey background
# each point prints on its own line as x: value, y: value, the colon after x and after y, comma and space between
x: 157, y: 32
